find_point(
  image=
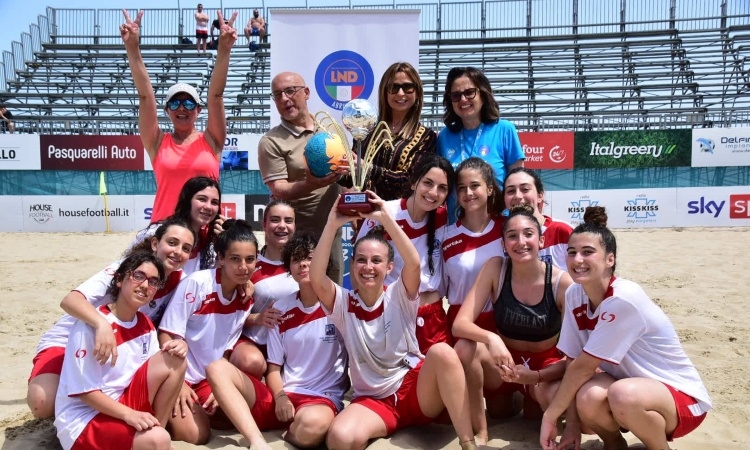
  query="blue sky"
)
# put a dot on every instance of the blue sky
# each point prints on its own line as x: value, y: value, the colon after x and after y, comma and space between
x: 18, y: 14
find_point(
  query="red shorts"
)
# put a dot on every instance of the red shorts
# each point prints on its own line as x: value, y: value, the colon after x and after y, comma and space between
x: 686, y: 420
x: 432, y: 326
x: 485, y: 321
x: 107, y: 433
x: 49, y: 360
x: 202, y: 389
x: 401, y: 409
x: 264, y: 409
x: 534, y: 361
x: 246, y: 340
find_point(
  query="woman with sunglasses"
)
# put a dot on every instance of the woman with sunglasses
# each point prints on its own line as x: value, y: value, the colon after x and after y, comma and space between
x: 123, y: 405
x: 171, y: 243
x: 400, y: 106
x: 474, y: 128
x: 185, y: 152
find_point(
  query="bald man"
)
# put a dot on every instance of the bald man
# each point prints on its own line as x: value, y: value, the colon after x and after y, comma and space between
x: 284, y: 169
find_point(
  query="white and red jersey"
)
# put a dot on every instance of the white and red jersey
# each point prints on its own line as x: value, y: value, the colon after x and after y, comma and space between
x: 310, y: 350
x: 632, y: 336
x: 556, y: 234
x: 272, y: 282
x: 377, y: 338
x: 417, y: 232
x: 464, y: 254
x: 209, y: 322
x: 82, y: 373
x: 95, y: 291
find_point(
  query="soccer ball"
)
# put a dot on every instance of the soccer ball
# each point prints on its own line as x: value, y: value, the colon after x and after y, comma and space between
x: 323, y: 153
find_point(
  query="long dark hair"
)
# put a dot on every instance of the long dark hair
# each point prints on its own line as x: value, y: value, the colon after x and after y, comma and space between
x: 538, y: 185
x: 376, y: 234
x: 183, y: 210
x: 495, y: 199
x: 385, y: 111
x: 489, y: 113
x: 428, y: 162
x: 145, y: 245
x: 234, y: 231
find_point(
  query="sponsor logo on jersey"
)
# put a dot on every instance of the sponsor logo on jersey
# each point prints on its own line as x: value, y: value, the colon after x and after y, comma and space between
x: 190, y: 297
x: 81, y: 353
x: 607, y: 317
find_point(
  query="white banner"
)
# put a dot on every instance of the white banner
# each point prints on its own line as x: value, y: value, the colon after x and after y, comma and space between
x: 341, y: 54
x: 232, y: 206
x: 713, y: 206
x: 20, y: 152
x: 78, y: 213
x: 13, y: 212
x: 714, y: 147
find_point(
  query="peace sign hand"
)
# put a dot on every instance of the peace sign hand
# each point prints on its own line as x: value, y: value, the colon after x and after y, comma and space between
x: 130, y: 30
x: 227, y: 32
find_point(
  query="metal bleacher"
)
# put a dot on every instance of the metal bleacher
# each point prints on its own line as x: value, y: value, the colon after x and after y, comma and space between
x: 553, y: 64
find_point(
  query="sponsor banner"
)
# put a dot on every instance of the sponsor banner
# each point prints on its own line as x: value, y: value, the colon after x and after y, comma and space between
x: 337, y: 64
x: 713, y: 206
x: 632, y: 148
x: 232, y: 206
x: 241, y: 152
x: 713, y: 147
x: 19, y: 152
x: 626, y: 208
x: 548, y: 150
x: 91, y: 152
x: 78, y: 213
x: 12, y: 208
x: 255, y: 205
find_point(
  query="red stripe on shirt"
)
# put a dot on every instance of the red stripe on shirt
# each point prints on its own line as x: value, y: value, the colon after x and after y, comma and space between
x: 265, y: 270
x: 462, y: 243
x: 172, y: 281
x: 212, y: 305
x: 295, y: 317
x: 582, y: 319
x: 362, y: 314
x: 124, y: 334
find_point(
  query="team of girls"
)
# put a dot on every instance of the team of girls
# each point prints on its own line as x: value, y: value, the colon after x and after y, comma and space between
x: 172, y: 244
x: 422, y: 216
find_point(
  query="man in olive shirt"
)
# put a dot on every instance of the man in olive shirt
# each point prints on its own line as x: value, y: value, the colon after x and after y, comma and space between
x: 284, y: 169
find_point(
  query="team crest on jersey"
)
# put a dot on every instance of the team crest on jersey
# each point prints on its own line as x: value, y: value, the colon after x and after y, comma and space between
x: 330, y: 330
x: 144, y: 356
x: 152, y: 304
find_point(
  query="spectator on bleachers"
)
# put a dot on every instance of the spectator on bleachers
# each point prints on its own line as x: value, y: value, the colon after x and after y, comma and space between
x: 185, y: 152
x: 256, y: 26
x: 201, y: 28
x: 6, y: 121
x: 474, y: 127
x: 215, y: 25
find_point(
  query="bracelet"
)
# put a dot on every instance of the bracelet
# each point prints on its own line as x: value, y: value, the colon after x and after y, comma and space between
x: 539, y: 374
x: 279, y: 395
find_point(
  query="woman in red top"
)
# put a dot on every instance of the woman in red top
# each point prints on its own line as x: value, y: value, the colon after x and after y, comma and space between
x: 185, y: 152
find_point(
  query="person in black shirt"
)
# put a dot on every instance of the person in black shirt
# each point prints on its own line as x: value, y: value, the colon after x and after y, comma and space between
x: 6, y: 121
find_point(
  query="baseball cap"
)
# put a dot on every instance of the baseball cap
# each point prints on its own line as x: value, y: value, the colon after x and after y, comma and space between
x: 186, y: 88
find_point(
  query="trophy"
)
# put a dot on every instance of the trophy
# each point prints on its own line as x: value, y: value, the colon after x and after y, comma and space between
x: 359, y: 117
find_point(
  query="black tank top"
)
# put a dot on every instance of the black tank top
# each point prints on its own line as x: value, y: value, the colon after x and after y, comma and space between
x: 523, y: 322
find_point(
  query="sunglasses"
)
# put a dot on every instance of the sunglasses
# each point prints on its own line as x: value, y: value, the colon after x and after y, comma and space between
x: 187, y: 103
x: 408, y: 88
x: 139, y: 277
x: 289, y: 92
x: 468, y: 94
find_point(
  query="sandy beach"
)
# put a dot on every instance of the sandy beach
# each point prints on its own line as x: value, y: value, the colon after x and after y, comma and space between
x: 699, y: 276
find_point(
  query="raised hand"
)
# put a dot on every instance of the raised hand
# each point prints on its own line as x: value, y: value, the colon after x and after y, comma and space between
x: 130, y: 30
x: 227, y: 32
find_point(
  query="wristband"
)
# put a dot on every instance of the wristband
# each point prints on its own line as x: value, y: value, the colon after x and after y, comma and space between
x: 279, y: 395
x: 539, y: 374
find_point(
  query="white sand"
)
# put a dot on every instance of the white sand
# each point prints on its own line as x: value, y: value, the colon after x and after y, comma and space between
x: 698, y: 276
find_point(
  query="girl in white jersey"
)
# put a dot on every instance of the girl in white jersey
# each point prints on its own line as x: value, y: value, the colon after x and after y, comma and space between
x: 524, y: 187
x: 198, y: 205
x: 172, y: 244
x: 394, y: 385
x: 527, y: 298
x: 271, y: 282
x: 475, y: 238
x: 626, y: 366
x: 307, y: 375
x: 208, y: 312
x: 125, y: 405
x: 423, y: 217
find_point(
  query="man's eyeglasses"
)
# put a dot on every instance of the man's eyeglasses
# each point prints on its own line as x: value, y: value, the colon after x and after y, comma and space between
x: 139, y: 277
x: 187, y: 103
x: 289, y: 92
x: 408, y: 88
x: 468, y: 93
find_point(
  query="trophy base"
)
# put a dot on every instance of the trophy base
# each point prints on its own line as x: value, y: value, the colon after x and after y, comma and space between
x: 353, y: 203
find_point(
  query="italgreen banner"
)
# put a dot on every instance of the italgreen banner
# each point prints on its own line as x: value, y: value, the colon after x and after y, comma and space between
x: 632, y: 148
